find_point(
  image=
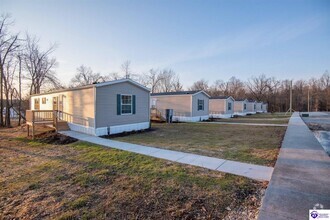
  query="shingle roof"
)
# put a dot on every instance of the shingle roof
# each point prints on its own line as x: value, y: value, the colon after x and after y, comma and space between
x: 220, y: 97
x: 94, y: 85
x: 240, y: 100
x: 176, y: 93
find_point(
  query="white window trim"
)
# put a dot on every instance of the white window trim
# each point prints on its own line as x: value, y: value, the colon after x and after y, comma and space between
x: 229, y: 105
x: 121, y: 104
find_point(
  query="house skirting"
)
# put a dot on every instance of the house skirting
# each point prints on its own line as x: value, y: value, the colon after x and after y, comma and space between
x: 190, y: 119
x: 221, y: 115
x: 240, y: 113
x: 109, y: 130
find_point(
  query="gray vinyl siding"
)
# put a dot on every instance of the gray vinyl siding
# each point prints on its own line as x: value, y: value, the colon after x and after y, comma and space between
x: 230, y: 100
x: 195, y: 111
x: 250, y: 107
x: 106, y: 105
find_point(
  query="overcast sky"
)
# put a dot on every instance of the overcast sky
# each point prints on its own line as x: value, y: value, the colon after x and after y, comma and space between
x: 197, y: 39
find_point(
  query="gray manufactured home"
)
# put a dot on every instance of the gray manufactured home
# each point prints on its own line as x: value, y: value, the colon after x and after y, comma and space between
x: 251, y: 106
x: 188, y: 106
x: 99, y: 109
x: 221, y: 106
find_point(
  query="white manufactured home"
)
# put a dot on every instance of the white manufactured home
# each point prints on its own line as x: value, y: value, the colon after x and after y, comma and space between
x: 259, y: 107
x: 221, y: 107
x: 188, y: 106
x: 99, y: 109
x: 240, y: 107
x: 265, y: 107
x: 251, y: 106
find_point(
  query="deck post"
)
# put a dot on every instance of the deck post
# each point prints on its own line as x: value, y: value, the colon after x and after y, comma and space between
x: 28, y: 130
x: 32, y: 124
x: 33, y: 130
x: 55, y: 118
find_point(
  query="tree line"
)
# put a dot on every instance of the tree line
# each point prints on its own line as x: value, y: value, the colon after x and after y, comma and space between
x: 27, y: 69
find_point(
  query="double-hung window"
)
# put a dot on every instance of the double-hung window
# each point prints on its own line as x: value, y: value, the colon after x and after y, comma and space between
x: 244, y: 106
x: 126, y: 104
x: 200, y: 103
x: 229, y: 106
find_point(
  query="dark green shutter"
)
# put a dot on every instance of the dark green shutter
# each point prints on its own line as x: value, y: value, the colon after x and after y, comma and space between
x: 118, y: 104
x: 134, y: 104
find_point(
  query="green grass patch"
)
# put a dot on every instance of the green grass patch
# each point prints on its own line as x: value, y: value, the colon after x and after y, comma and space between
x: 250, y: 144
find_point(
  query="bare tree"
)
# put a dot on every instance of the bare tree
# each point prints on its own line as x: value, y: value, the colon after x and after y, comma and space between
x: 8, y: 44
x: 126, y: 68
x: 200, y: 85
x: 177, y: 86
x: 152, y: 79
x: 86, y: 76
x: 258, y: 86
x: 8, y: 81
x: 166, y: 83
x: 39, y: 65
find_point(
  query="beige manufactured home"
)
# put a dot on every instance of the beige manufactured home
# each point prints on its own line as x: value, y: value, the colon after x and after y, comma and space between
x: 240, y: 107
x: 99, y: 109
x: 188, y: 106
x: 221, y: 107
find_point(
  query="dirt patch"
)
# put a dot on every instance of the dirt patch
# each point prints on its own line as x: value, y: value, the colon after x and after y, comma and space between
x: 52, y: 137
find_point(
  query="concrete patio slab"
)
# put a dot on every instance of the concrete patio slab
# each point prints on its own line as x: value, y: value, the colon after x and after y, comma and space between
x: 301, y: 177
x: 244, y: 169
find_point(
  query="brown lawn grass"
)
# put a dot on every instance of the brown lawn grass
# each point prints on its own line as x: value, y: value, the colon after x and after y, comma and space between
x: 254, y: 120
x: 86, y: 181
x: 252, y: 144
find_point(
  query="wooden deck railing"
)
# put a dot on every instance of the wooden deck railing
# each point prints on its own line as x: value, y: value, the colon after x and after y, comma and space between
x: 52, y: 117
x: 33, y: 116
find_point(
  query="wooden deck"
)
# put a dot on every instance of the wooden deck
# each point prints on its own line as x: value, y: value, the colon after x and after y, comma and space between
x: 45, y: 117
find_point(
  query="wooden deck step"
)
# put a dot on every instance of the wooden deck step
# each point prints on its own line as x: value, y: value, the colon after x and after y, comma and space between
x: 62, y: 126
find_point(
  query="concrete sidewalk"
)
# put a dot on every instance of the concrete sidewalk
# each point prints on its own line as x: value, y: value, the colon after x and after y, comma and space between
x: 261, y: 173
x: 301, y: 177
x: 251, y: 124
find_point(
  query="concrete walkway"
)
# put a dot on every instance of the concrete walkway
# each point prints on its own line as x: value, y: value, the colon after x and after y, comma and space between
x: 251, y: 124
x: 301, y: 177
x: 261, y: 173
